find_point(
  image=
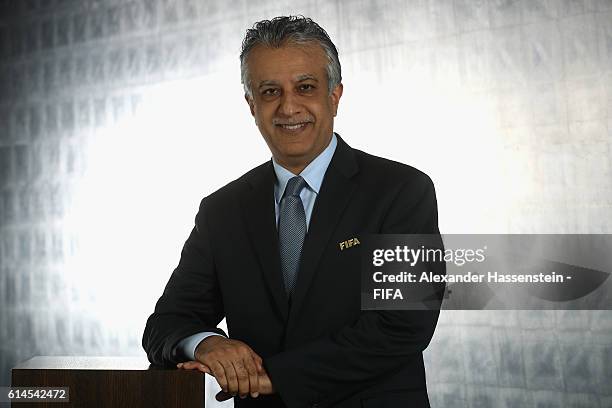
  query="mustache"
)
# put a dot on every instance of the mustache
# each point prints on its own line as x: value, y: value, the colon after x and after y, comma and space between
x: 276, y: 121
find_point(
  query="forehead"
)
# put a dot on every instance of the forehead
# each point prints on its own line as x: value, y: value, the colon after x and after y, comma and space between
x: 286, y: 62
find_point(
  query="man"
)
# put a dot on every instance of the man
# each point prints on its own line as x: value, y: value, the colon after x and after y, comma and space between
x: 265, y: 251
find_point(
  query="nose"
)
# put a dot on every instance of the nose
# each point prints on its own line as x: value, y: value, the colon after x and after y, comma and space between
x: 289, y: 105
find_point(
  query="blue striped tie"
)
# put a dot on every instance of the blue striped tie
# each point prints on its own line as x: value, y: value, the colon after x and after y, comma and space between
x: 291, y: 231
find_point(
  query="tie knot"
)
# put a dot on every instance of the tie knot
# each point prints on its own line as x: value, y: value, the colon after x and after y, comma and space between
x: 294, y: 186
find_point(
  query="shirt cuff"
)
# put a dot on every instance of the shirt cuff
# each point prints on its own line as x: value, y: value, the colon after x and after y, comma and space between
x: 188, y: 345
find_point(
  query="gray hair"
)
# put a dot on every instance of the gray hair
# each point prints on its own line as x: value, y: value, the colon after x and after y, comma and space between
x: 289, y: 29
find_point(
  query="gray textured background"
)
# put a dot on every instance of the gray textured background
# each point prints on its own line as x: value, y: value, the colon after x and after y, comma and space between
x: 117, y: 116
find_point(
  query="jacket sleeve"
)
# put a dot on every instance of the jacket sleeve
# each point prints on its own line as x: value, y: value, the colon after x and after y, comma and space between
x: 378, y: 343
x: 191, y: 302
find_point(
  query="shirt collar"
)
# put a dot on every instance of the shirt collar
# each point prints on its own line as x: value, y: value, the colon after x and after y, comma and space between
x: 313, y: 173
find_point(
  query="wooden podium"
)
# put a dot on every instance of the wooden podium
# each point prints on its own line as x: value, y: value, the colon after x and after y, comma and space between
x: 110, y: 382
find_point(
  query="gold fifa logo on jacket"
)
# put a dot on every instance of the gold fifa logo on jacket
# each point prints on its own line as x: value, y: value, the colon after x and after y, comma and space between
x: 348, y: 243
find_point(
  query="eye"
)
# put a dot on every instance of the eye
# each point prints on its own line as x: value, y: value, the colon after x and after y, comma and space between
x: 269, y: 92
x: 306, y: 87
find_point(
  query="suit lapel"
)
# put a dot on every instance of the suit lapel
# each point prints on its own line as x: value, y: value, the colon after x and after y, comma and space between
x: 258, y: 207
x: 334, y: 195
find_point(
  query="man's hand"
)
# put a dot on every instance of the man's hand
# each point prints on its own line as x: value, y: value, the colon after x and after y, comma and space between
x: 235, y: 366
x: 265, y: 384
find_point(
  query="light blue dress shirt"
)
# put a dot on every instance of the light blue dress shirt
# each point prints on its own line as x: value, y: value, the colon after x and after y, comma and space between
x: 313, y: 175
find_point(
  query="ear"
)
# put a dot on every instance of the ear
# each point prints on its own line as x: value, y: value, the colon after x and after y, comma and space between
x: 335, y: 96
x: 251, y: 103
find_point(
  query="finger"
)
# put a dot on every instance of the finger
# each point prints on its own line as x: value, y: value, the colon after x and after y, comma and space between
x: 265, y: 385
x: 205, y: 369
x: 194, y: 365
x: 251, y: 367
x: 242, y: 376
x: 258, y: 361
x: 231, y: 377
x: 219, y: 373
x: 188, y: 365
x: 222, y: 396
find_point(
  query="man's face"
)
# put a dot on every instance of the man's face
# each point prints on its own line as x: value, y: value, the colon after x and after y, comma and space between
x: 291, y: 103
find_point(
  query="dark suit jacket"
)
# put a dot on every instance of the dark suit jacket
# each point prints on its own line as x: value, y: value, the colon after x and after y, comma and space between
x: 323, y: 350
